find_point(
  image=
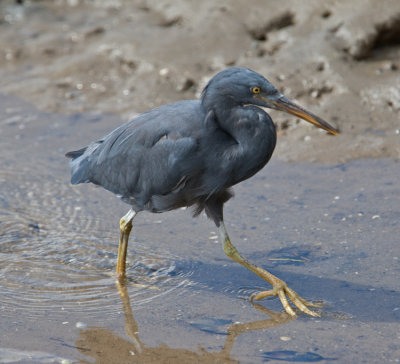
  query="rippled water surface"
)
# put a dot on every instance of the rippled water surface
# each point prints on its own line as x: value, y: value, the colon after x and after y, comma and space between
x: 330, y: 231
x: 57, y: 254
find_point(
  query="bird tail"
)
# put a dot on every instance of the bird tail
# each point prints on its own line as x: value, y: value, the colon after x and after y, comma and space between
x: 76, y: 153
x: 79, y: 166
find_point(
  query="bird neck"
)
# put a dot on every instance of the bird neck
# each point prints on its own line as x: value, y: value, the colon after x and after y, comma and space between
x: 241, y: 140
x: 253, y: 132
x: 246, y: 124
x: 223, y: 110
x: 221, y: 104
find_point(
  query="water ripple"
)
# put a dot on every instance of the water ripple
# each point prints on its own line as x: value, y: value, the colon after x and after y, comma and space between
x: 57, y: 256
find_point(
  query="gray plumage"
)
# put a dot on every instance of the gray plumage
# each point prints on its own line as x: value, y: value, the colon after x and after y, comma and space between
x: 191, y: 153
x: 185, y: 153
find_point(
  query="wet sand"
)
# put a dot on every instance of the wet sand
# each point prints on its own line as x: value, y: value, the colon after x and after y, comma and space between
x: 339, y: 59
x: 330, y: 231
x: 72, y: 72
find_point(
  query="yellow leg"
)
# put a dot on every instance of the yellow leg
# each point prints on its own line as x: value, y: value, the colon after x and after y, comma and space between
x: 125, y: 225
x: 279, y: 287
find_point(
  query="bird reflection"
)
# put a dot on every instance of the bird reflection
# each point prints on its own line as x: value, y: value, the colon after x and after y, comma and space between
x: 102, y: 345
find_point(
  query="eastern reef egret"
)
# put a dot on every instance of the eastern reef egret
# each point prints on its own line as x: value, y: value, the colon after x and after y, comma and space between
x: 190, y: 153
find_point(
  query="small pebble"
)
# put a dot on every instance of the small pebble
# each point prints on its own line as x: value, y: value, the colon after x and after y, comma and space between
x: 285, y: 338
x: 164, y: 71
x: 80, y: 325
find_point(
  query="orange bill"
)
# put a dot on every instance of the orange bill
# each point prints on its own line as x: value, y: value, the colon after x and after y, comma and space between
x: 284, y: 104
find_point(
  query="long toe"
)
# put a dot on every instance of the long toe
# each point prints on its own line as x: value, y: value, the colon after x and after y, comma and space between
x: 285, y: 294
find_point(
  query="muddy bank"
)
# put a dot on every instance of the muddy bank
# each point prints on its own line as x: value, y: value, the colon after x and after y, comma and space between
x: 339, y: 59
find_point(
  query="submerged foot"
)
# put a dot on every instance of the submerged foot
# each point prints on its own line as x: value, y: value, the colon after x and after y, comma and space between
x: 281, y: 289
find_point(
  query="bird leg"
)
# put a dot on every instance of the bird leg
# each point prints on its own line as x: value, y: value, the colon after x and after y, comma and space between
x: 125, y: 225
x: 279, y: 287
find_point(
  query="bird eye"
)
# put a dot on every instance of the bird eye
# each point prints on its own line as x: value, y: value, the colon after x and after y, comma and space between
x: 256, y: 90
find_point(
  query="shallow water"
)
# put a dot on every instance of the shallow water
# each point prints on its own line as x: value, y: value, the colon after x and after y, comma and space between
x: 330, y: 231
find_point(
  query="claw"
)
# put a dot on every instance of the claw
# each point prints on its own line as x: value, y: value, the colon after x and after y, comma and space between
x: 284, y: 293
x: 279, y: 287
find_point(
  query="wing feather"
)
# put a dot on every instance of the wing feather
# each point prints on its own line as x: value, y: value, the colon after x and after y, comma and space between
x: 149, y: 155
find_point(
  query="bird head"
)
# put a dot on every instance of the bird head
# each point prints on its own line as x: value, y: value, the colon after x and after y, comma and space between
x: 242, y: 86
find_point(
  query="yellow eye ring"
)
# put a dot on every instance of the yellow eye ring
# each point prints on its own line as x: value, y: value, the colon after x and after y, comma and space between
x: 256, y: 90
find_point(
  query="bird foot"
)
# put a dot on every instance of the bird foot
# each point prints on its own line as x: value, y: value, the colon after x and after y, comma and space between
x: 281, y: 289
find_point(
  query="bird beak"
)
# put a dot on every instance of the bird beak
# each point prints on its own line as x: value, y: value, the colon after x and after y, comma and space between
x: 284, y: 104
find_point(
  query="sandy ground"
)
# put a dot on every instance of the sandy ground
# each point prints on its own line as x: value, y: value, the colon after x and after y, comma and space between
x: 70, y: 71
x: 340, y: 59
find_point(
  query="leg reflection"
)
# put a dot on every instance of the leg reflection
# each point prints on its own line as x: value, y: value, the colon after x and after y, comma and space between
x: 233, y: 331
x: 104, y: 346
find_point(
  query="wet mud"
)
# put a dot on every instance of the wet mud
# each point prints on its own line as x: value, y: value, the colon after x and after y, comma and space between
x: 71, y: 71
x: 339, y: 59
x: 330, y: 231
